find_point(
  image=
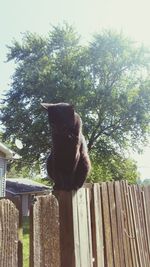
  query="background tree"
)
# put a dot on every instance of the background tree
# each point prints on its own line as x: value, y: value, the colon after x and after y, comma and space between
x: 107, y: 81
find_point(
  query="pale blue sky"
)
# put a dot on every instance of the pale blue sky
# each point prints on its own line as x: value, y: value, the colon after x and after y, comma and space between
x: 88, y: 16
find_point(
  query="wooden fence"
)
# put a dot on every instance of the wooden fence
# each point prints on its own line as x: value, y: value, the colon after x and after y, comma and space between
x: 101, y: 225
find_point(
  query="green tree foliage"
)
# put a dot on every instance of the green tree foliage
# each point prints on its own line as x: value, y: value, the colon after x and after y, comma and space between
x: 114, y: 167
x: 107, y: 81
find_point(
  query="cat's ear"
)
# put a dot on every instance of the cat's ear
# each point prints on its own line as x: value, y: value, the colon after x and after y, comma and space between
x: 72, y: 107
x: 46, y: 105
x: 71, y: 112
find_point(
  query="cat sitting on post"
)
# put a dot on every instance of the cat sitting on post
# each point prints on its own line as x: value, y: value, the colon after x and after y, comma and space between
x: 68, y: 164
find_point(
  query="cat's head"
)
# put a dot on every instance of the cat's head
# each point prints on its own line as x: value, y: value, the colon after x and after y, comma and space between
x: 60, y: 113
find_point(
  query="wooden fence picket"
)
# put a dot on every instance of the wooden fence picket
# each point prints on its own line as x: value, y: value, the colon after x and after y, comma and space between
x: 67, y: 247
x: 146, y: 210
x: 45, y: 242
x: 126, y: 227
x: 142, y: 225
x: 120, y: 225
x: 82, y: 221
x: 97, y: 227
x: 109, y: 260
x: 113, y: 223
x: 132, y: 236
x: 9, y: 234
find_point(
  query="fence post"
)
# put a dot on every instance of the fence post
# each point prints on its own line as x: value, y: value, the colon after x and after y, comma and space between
x: 67, y: 248
x: 9, y: 238
x: 75, y: 228
x: 44, y: 232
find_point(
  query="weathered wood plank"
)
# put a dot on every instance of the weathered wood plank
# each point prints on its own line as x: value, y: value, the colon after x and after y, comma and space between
x: 139, y: 224
x: 17, y: 200
x: 67, y: 246
x: 45, y: 242
x: 132, y: 235
x: 83, y: 239
x: 142, y: 226
x: 130, y: 230
x: 97, y: 227
x: 126, y: 233
x: 146, y: 208
x: 109, y: 261
x: 9, y: 225
x: 88, y: 204
x: 136, y: 224
x: 113, y: 219
x: 119, y: 210
x: 76, y: 233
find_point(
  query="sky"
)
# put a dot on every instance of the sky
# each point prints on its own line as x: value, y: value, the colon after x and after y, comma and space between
x: 87, y: 16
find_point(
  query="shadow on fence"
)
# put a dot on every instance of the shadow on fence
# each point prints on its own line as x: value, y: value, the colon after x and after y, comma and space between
x: 101, y: 225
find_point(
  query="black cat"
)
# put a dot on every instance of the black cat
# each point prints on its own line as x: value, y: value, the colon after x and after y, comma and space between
x: 68, y: 164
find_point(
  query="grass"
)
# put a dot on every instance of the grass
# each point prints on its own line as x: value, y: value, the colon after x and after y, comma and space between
x: 26, y: 242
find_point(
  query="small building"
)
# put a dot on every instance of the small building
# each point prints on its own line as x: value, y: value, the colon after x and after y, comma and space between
x: 5, y: 155
x: 26, y: 189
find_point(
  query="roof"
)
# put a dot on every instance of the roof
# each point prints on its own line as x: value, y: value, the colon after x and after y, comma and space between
x: 8, y: 152
x: 24, y: 186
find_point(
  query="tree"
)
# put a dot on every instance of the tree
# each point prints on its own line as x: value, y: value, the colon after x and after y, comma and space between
x: 107, y: 81
x: 121, y: 91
